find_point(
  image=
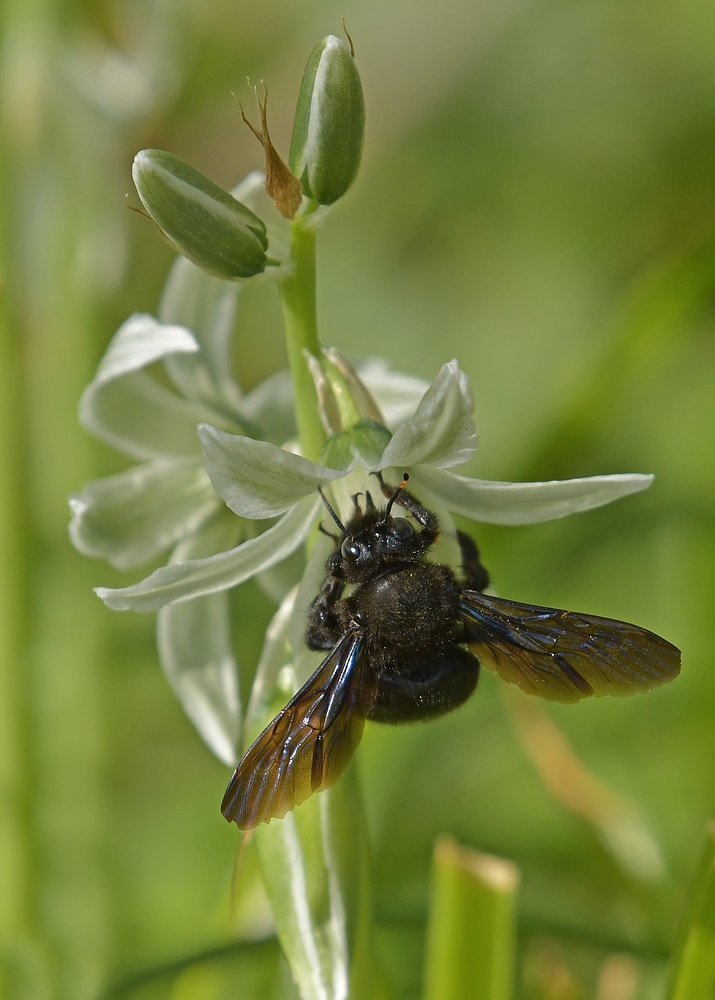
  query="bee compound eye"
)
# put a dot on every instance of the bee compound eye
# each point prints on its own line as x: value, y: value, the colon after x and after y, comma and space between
x: 349, y: 549
x: 401, y: 528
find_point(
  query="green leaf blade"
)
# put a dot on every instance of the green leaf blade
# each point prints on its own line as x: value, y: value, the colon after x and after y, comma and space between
x: 471, y: 934
x: 693, y: 976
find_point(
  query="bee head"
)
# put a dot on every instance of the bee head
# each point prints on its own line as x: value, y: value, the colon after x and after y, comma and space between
x: 373, y: 537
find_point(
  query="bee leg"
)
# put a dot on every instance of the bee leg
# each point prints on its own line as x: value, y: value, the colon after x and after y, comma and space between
x: 476, y: 576
x: 324, y: 627
x: 427, y: 520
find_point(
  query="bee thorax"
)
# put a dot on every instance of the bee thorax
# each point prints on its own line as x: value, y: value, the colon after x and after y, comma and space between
x: 410, y: 607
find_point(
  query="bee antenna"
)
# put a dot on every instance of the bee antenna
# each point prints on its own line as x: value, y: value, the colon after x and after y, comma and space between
x: 332, y: 512
x: 395, y: 495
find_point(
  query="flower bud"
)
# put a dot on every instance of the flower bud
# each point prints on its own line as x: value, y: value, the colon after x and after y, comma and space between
x: 329, y: 123
x: 343, y: 399
x: 202, y: 221
x: 364, y: 442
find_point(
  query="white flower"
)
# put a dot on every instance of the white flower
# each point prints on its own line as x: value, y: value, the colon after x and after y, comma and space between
x: 259, y: 480
x: 168, y: 502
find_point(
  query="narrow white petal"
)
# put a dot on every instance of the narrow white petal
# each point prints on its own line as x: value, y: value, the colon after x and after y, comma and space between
x: 194, y: 639
x: 275, y: 655
x: 279, y: 580
x: 139, y: 342
x: 442, y: 431
x: 140, y: 417
x: 206, y: 305
x: 195, y: 649
x: 255, y: 478
x: 527, y: 503
x: 196, y: 577
x: 304, y: 659
x: 126, y: 408
x: 271, y: 408
x: 398, y: 395
x: 129, y: 518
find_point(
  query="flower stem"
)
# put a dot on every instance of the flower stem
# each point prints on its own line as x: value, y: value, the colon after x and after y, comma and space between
x: 299, y: 315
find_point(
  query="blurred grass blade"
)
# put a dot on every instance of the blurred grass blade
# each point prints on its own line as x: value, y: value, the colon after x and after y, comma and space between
x: 659, y: 310
x: 471, y: 933
x: 615, y: 819
x: 233, y: 962
x: 693, y: 975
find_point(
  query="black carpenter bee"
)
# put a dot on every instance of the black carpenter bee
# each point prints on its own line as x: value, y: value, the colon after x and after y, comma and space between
x: 407, y: 644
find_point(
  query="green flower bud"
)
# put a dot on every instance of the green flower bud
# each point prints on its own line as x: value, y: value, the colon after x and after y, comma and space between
x: 365, y: 441
x: 202, y: 221
x: 329, y: 123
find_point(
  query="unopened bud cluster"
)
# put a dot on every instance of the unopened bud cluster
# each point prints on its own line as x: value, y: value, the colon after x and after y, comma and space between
x: 216, y: 231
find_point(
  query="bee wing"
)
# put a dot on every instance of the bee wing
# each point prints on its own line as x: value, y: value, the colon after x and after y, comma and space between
x: 307, y: 746
x: 562, y: 655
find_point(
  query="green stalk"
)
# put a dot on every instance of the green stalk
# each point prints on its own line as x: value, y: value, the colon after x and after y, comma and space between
x: 22, y: 958
x: 470, y: 936
x: 299, y: 315
x: 54, y: 909
x: 16, y: 837
x: 693, y: 976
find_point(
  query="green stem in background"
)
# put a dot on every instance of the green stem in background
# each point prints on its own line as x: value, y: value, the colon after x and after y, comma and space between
x: 22, y: 961
x: 53, y: 193
x: 16, y: 839
x: 471, y: 933
x: 693, y: 976
x: 299, y: 314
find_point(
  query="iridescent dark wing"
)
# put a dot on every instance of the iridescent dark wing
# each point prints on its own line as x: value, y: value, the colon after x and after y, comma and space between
x: 307, y: 746
x: 562, y: 655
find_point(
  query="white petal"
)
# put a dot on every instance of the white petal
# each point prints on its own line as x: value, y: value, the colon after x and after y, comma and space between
x: 442, y: 431
x: 140, y: 417
x: 250, y: 189
x: 186, y: 580
x: 398, y: 395
x: 279, y: 580
x: 131, y: 517
x: 275, y: 655
x: 527, y: 503
x: 206, y: 305
x: 126, y: 408
x: 255, y: 478
x: 270, y: 407
x: 194, y: 640
x: 305, y: 660
x: 139, y: 342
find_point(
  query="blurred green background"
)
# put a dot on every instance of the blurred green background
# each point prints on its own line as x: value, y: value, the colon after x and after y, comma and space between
x: 537, y: 198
